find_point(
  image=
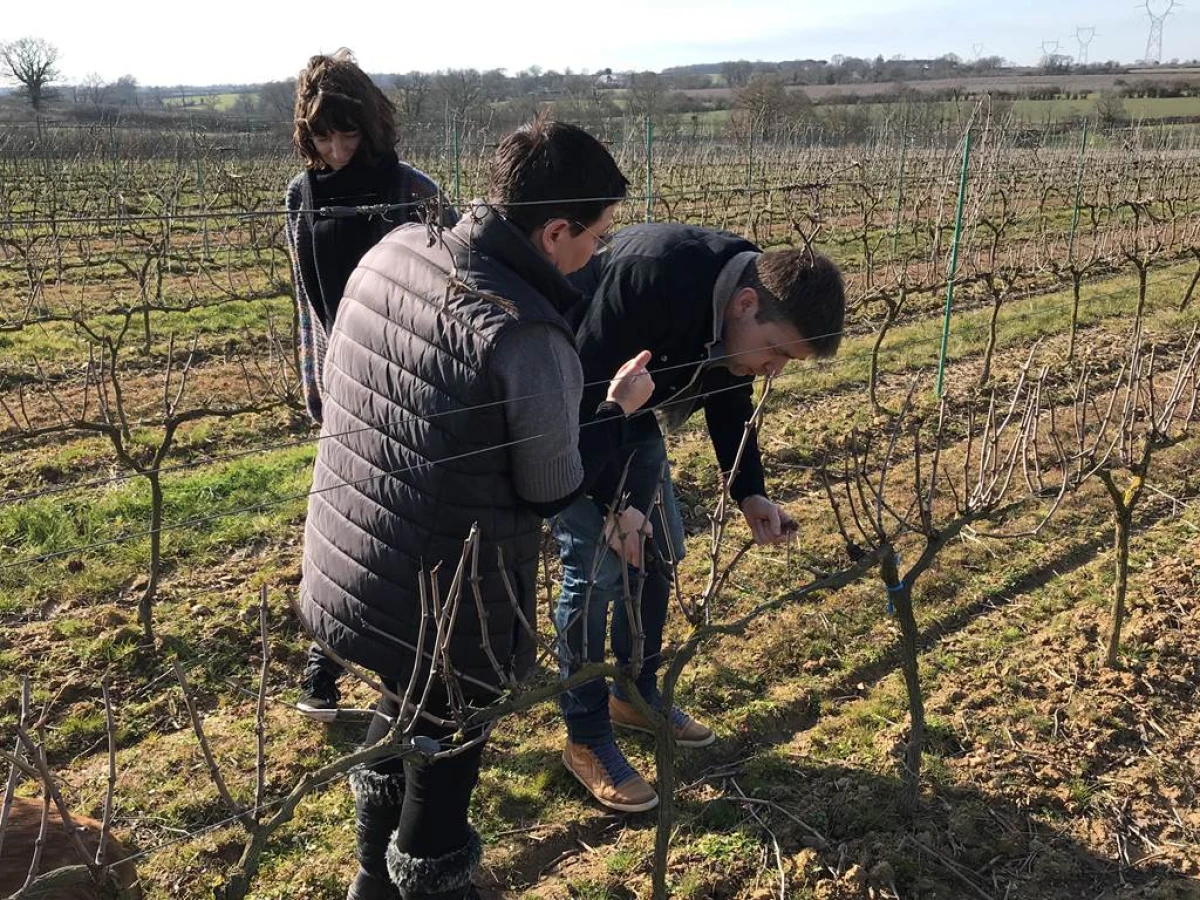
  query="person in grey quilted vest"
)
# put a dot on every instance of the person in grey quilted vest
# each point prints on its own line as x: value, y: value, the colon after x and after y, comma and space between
x: 451, y: 402
x: 344, y: 132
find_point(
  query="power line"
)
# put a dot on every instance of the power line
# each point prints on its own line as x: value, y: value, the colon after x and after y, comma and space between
x: 266, y: 505
x: 1084, y: 36
x: 384, y: 208
x: 1063, y: 166
x: 387, y: 426
x: 299, y: 442
x: 1157, y: 17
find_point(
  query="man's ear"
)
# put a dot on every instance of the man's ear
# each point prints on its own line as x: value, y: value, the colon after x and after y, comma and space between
x: 744, y: 302
x: 551, y: 234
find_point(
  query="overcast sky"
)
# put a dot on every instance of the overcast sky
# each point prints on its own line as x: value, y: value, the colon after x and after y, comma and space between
x: 235, y: 41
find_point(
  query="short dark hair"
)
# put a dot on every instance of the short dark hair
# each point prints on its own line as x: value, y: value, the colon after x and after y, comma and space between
x: 552, y: 170
x: 334, y: 94
x: 804, y: 289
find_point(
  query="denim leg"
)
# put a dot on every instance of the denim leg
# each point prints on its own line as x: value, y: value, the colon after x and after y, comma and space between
x: 655, y: 598
x: 591, y: 579
x: 646, y: 468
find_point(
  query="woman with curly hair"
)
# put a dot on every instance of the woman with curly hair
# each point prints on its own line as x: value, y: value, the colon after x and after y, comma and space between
x: 345, y: 133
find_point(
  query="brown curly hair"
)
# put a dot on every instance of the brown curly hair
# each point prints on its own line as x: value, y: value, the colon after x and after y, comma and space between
x: 334, y: 94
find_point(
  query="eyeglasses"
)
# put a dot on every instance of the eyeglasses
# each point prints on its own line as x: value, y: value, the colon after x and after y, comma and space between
x: 603, y: 241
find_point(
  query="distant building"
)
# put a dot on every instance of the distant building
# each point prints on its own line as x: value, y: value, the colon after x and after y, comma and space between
x: 611, y: 80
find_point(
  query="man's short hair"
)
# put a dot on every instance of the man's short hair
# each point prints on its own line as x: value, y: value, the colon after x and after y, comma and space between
x: 804, y: 289
x: 551, y: 170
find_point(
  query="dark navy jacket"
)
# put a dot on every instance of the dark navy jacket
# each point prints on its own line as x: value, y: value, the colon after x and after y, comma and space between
x: 654, y: 290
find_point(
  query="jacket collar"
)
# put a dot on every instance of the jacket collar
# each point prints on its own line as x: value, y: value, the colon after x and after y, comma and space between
x: 486, y: 232
x: 723, y: 290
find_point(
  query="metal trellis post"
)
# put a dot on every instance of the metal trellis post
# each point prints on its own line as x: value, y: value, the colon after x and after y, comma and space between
x: 457, y: 166
x: 958, y: 213
x: 1078, y: 194
x: 649, y: 169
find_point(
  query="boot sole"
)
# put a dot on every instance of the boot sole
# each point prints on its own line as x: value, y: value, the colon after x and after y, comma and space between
x: 619, y: 807
x: 679, y: 742
x: 319, y: 713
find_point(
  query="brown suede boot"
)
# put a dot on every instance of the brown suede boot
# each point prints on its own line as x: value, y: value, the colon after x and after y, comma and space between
x: 608, y: 777
x: 688, y: 732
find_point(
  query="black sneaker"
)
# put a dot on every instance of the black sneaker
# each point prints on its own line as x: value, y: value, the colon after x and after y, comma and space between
x: 319, y: 695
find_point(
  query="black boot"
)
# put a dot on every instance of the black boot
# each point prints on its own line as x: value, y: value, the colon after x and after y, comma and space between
x: 377, y: 801
x: 439, y: 878
x: 319, y: 694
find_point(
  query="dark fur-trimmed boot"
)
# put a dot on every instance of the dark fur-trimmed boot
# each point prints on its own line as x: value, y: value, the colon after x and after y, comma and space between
x: 445, y: 877
x: 377, y: 802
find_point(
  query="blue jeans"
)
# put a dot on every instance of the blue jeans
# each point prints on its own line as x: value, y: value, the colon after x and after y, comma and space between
x: 582, y: 633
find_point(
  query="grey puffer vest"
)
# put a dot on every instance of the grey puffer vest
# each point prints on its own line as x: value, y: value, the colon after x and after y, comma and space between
x: 412, y: 451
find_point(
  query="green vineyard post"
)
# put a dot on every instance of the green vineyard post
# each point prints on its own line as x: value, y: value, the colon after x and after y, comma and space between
x: 649, y: 169
x: 750, y: 162
x: 1078, y: 195
x: 447, y: 141
x: 899, y: 198
x: 1076, y: 274
x: 457, y: 165
x: 200, y: 199
x: 958, y: 213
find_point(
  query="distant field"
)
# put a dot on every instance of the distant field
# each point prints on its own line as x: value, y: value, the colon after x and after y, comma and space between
x: 1012, y: 83
x: 1135, y: 107
x: 215, y: 102
x: 1032, y: 111
x: 1038, y: 111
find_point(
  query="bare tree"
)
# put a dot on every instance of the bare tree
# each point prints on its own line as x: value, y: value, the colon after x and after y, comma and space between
x: 124, y: 91
x: 103, y: 409
x: 770, y: 105
x: 31, y: 62
x: 461, y: 91
x: 1141, y: 243
x: 276, y: 98
x: 702, y: 616
x: 933, y: 502
x: 95, y: 89
x: 412, y: 92
x: 1000, y: 286
x: 1191, y: 238
x: 646, y: 93
x: 101, y: 867
x: 245, y: 104
x: 1122, y: 436
x: 1110, y: 109
x: 737, y: 74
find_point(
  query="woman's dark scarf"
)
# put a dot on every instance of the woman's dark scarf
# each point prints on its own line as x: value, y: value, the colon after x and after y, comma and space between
x: 339, y: 242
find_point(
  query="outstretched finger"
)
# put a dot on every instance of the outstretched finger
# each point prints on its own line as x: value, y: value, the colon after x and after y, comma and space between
x: 637, y: 365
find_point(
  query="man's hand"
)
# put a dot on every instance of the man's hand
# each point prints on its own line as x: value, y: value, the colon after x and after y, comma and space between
x: 768, y: 522
x: 632, y: 386
x: 625, y: 534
